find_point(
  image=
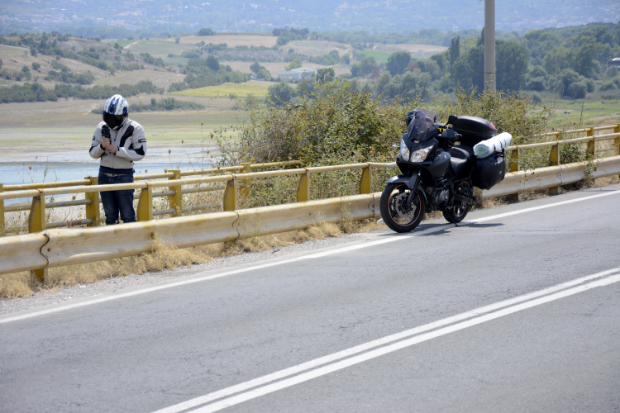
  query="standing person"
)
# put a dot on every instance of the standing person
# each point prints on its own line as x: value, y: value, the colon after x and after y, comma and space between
x: 118, y: 141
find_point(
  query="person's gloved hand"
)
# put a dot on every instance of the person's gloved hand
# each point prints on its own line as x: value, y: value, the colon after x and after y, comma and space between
x: 105, y: 131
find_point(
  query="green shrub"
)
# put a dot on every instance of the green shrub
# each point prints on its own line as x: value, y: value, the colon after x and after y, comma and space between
x: 330, y: 125
x: 607, y: 86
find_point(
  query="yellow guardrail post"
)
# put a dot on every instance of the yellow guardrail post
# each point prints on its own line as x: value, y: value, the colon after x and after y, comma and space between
x: 145, y: 204
x: 244, y: 190
x: 176, y: 200
x: 514, y: 167
x: 591, y: 152
x: 36, y: 223
x: 93, y: 211
x: 365, y: 180
x: 554, y: 160
x: 231, y: 195
x: 2, y: 221
x: 617, y: 140
x: 303, y: 187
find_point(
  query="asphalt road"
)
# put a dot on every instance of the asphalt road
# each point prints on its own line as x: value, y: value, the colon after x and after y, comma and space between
x: 516, y: 310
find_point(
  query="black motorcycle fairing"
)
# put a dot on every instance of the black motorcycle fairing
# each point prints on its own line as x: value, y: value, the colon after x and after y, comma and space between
x: 421, y: 128
x: 439, y: 164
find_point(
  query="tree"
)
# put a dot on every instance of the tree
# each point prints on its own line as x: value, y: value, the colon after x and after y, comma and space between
x: 398, y: 62
x: 325, y: 75
x: 454, y: 50
x: 206, y: 32
x: 213, y: 63
x: 468, y: 69
x: 408, y: 83
x: 263, y: 74
x: 382, y: 82
x: 294, y: 64
x: 368, y: 65
x: 584, y: 62
x: 558, y: 59
x: 256, y: 67
x: 280, y: 93
x: 511, y: 65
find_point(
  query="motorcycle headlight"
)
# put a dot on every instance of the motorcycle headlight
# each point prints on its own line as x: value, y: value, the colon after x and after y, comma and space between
x: 421, y: 154
x: 404, y: 151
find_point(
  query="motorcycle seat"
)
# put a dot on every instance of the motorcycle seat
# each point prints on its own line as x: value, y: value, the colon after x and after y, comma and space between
x: 460, y: 157
x: 463, y: 152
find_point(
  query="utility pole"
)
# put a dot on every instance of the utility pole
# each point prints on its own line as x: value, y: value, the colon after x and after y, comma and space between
x: 489, y: 45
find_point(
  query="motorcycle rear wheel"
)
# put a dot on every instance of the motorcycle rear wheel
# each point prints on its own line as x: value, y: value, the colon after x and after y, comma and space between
x: 456, y: 214
x: 396, y: 214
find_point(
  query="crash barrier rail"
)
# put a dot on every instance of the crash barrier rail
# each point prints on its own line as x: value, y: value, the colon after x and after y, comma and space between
x: 232, y: 185
x: 92, y: 213
x: 49, y: 248
x: 554, y: 155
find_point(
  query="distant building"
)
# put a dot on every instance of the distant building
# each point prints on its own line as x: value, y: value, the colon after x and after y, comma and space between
x: 614, y: 62
x: 298, y: 74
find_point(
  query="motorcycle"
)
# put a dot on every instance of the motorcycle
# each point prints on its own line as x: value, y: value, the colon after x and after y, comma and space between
x: 437, y: 174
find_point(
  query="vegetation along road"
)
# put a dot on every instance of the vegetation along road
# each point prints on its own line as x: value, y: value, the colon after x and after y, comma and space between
x: 515, y: 310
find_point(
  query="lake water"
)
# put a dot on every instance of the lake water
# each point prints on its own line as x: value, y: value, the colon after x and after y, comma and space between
x: 75, y: 165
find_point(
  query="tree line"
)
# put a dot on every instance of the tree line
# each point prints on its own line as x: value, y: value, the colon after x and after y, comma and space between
x: 35, y: 92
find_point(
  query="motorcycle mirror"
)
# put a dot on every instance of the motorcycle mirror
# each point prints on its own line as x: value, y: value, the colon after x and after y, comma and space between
x: 435, y: 119
x: 453, y: 120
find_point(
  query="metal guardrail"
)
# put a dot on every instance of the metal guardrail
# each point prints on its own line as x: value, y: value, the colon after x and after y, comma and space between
x: 233, y: 185
x: 40, y: 251
x: 92, y: 199
x: 24, y: 252
x: 554, y: 155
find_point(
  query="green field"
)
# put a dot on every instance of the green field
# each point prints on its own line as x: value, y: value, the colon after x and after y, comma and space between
x: 380, y: 57
x: 257, y: 89
x: 124, y: 43
x: 571, y: 114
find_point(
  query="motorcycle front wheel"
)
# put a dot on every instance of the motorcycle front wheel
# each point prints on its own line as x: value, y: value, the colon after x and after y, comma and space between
x: 397, y: 213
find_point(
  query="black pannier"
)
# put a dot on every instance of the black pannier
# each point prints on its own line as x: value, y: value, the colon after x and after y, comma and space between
x: 489, y: 171
x: 474, y: 130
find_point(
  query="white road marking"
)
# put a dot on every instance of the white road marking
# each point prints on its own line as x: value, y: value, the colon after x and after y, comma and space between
x: 399, y: 237
x: 337, y: 361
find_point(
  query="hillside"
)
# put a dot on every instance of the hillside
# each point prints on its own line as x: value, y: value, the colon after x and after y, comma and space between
x: 320, y: 15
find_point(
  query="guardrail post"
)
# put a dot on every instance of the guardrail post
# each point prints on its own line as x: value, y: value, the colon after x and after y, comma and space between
x: 145, y: 204
x: 554, y: 160
x: 231, y: 195
x: 244, y: 190
x: 514, y: 167
x: 36, y: 223
x: 303, y: 187
x: 2, y: 221
x: 617, y: 140
x: 176, y: 201
x: 92, y: 211
x: 365, y: 180
x: 591, y: 152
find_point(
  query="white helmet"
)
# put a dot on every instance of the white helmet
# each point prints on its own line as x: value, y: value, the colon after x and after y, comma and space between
x: 115, y: 111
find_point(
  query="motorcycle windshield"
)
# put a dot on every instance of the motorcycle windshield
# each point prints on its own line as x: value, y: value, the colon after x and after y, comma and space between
x: 421, y: 128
